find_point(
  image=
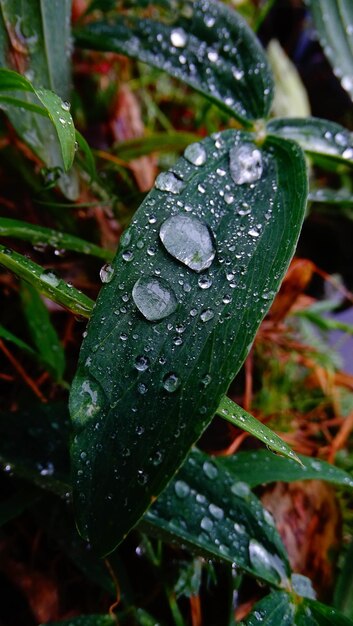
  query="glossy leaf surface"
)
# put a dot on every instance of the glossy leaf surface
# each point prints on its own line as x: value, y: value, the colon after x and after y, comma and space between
x: 273, y: 610
x: 205, y: 44
x: 319, y: 138
x: 145, y: 390
x: 334, y: 23
x: 261, y: 467
x: 85, y: 620
x: 207, y: 509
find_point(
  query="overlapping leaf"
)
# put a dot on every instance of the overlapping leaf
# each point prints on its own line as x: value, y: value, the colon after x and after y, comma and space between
x: 334, y: 22
x: 145, y: 390
x: 205, y: 44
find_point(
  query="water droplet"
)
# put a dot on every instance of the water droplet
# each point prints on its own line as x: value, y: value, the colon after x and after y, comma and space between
x: 182, y: 489
x: 238, y: 74
x: 206, y: 524
x: 240, y: 489
x: 204, y: 282
x: 127, y: 255
x: 167, y: 181
x: 189, y: 240
x: 212, y: 56
x: 141, y: 477
x: 216, y: 511
x: 141, y: 363
x: 196, y: 154
x: 207, y: 315
x: 253, y: 232
x: 210, y: 470
x: 65, y: 106
x: 262, y: 560
x: 178, y: 37
x: 154, y: 298
x: 245, y: 164
x: 106, y: 273
x: 50, y: 278
x: 171, y: 382
x: 141, y: 388
x: 139, y: 430
x: 206, y: 381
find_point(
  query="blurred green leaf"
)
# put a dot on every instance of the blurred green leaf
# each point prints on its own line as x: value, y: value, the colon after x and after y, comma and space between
x: 343, y: 596
x: 42, y: 331
x: 195, y: 48
x: 45, y: 103
x: 46, y: 282
x: 331, y: 196
x: 334, y: 23
x: 9, y: 336
x: 85, y: 620
x: 276, y: 609
x: 40, y: 235
x: 236, y: 415
x: 156, y: 142
x: 319, y: 138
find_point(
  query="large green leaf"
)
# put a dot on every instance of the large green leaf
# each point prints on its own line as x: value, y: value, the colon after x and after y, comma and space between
x: 147, y: 387
x: 46, y: 282
x: 207, y: 509
x: 205, y: 44
x: 318, y: 137
x: 42, y: 331
x: 334, y: 22
x: 320, y: 614
x: 14, y: 92
x: 261, y: 466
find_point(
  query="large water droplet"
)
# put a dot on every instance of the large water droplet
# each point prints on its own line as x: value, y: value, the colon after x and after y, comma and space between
x: 154, y: 298
x: 196, y: 154
x: 206, y: 315
x: 210, y: 470
x: 206, y: 524
x: 216, y: 511
x: 171, y: 382
x: 106, y: 273
x: 178, y: 37
x: 245, y: 164
x: 189, y: 240
x: 167, y: 181
x: 50, y: 278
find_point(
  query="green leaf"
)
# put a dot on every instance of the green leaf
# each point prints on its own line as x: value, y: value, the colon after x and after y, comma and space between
x: 261, y: 466
x: 276, y: 609
x: 236, y: 415
x: 156, y: 142
x: 324, y: 323
x: 343, y: 597
x: 42, y: 331
x: 331, y: 196
x: 147, y: 389
x: 208, y: 510
x: 9, y: 336
x: 209, y: 47
x: 88, y: 162
x: 319, y: 138
x: 50, y: 237
x: 46, y: 282
x: 51, y: 106
x: 323, y: 615
x: 85, y: 620
x: 333, y: 20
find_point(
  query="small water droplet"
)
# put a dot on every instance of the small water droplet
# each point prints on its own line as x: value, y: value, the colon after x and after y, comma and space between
x: 189, y: 240
x: 212, y: 56
x: 65, y: 106
x: 196, y: 154
x: 253, y: 232
x: 106, y: 273
x: 127, y: 255
x: 245, y: 164
x: 171, y: 382
x: 154, y: 298
x: 178, y: 37
x: 167, y: 181
x: 142, y: 363
x: 182, y: 489
x: 141, y: 388
x: 206, y: 524
x: 204, y: 282
x: 210, y: 470
x: 207, y: 315
x: 216, y: 511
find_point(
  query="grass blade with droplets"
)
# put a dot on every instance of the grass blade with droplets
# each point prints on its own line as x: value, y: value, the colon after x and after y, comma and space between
x: 46, y: 282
